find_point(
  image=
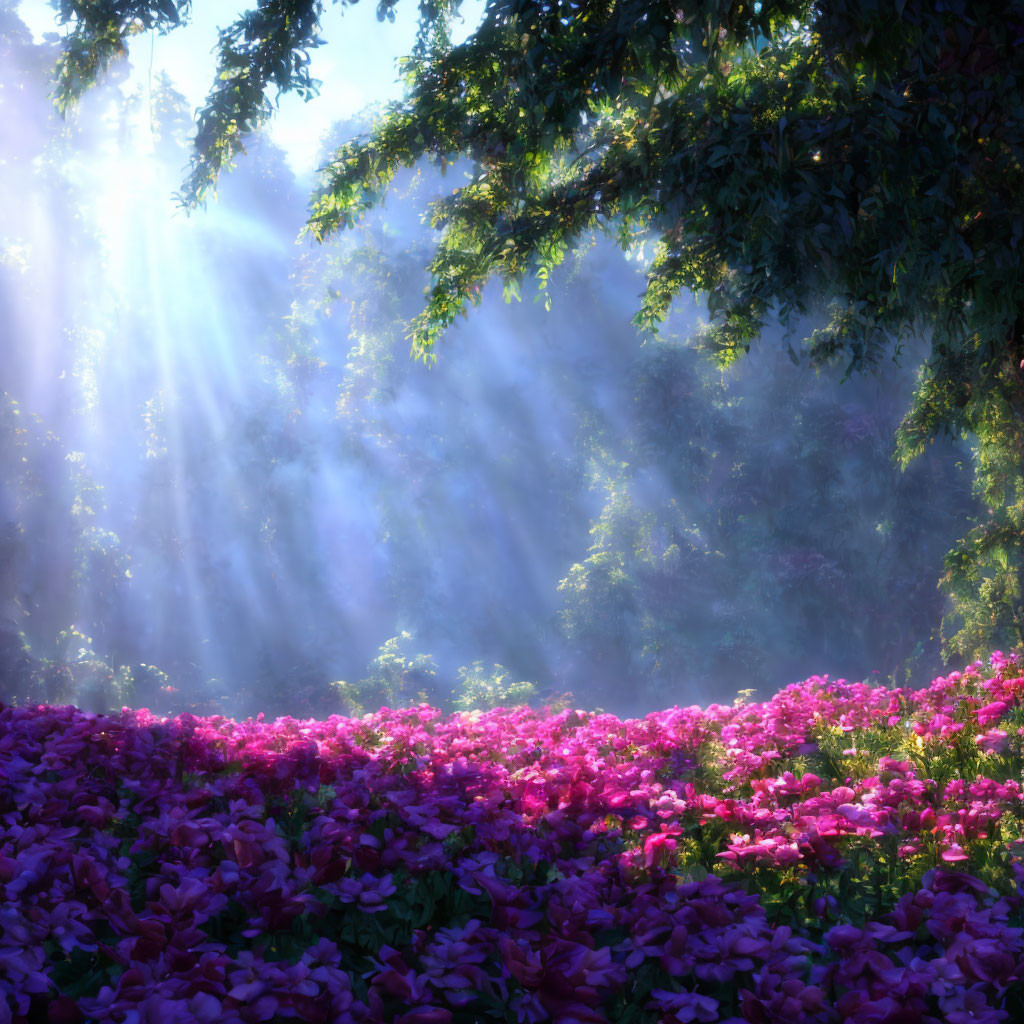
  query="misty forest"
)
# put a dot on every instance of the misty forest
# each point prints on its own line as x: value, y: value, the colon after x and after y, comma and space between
x: 512, y: 510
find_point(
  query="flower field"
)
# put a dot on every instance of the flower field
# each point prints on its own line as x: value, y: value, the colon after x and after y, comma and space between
x: 840, y: 852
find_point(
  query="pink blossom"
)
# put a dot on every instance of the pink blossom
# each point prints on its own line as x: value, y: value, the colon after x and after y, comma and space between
x: 993, y: 740
x: 991, y: 712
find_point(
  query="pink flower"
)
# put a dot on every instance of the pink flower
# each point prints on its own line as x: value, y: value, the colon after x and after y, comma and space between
x: 658, y: 848
x: 953, y: 853
x: 991, y: 712
x: 994, y: 740
x: 856, y: 814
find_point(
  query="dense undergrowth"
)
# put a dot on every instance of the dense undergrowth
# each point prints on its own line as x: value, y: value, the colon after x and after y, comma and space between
x: 840, y: 852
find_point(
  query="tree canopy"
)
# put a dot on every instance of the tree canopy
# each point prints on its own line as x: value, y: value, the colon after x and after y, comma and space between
x: 856, y: 158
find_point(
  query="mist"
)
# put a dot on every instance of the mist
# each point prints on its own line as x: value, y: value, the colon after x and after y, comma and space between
x: 227, y: 488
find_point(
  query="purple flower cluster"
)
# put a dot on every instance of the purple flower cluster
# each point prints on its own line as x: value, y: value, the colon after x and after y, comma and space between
x: 519, y: 866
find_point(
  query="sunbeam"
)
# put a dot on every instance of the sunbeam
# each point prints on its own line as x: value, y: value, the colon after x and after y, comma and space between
x: 262, y: 495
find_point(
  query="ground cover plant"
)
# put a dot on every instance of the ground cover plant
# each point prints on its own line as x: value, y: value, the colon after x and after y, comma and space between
x: 838, y: 852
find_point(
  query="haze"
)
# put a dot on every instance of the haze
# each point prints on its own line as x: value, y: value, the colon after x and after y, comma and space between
x: 226, y: 486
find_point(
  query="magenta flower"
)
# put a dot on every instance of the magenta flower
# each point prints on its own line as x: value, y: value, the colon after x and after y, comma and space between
x: 658, y: 848
x: 994, y: 741
x: 954, y: 853
x: 991, y: 712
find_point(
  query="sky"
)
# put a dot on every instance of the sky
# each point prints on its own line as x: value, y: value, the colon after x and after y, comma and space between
x: 357, y: 64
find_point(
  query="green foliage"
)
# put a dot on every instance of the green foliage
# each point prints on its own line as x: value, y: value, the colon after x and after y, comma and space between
x: 741, y: 512
x: 77, y: 674
x: 985, y: 570
x: 395, y: 678
x: 99, y: 35
x: 348, y: 696
x: 398, y: 678
x: 81, y: 973
x: 480, y: 688
x: 267, y: 46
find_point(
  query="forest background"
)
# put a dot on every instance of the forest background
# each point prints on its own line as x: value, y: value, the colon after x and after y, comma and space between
x: 227, y: 487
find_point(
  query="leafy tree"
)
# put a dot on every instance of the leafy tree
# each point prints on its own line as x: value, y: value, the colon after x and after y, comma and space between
x: 753, y: 529
x: 861, y: 157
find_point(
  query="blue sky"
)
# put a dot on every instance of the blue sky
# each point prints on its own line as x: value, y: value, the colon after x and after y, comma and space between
x: 356, y: 65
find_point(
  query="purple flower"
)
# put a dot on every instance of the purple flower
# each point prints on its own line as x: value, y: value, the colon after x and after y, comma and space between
x: 683, y: 1006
